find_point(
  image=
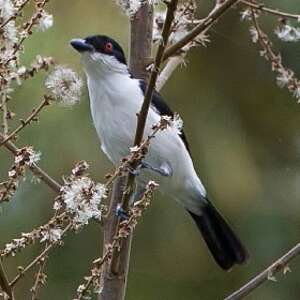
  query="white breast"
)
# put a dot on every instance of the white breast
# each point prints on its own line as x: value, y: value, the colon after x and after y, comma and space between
x: 114, y: 106
x: 115, y: 100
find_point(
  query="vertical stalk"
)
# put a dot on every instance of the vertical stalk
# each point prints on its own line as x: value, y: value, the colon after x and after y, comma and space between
x: 114, y: 283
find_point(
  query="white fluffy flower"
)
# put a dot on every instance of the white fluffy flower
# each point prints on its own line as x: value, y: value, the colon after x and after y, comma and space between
x: 246, y: 14
x: 288, y: 33
x: 9, y: 30
x: 52, y: 235
x: 34, y: 157
x: 130, y: 7
x: 82, y: 198
x: 158, y: 23
x: 177, y: 123
x: 254, y: 34
x: 297, y: 93
x: 28, y: 156
x: 15, y: 245
x: 180, y: 30
x: 283, y: 79
x: 46, y: 21
x: 65, y: 85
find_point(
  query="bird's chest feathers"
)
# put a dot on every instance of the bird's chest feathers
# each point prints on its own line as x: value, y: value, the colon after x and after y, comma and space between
x: 115, y: 101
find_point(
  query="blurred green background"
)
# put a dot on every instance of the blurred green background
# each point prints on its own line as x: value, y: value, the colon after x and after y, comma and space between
x: 245, y: 139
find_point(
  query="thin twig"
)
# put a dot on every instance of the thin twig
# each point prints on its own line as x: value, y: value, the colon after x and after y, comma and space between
x: 142, y: 116
x: 36, y: 170
x: 15, y: 14
x: 35, y: 111
x: 277, y: 266
x: 125, y: 230
x: 37, y: 259
x: 218, y: 11
x: 4, y: 283
x: 39, y: 279
x: 272, y: 11
x: 28, y: 27
x: 285, y: 77
x: 5, y: 113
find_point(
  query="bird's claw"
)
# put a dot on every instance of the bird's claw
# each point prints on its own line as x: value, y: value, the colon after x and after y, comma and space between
x: 121, y: 213
x: 133, y: 171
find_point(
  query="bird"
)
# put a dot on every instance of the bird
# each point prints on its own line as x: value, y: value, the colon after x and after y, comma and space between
x: 116, y: 97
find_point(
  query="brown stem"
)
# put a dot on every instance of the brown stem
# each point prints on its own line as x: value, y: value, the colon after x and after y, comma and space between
x: 36, y: 170
x: 32, y: 116
x: 5, y: 113
x: 14, y: 15
x: 254, y: 283
x: 218, y: 11
x: 142, y: 116
x: 37, y: 259
x: 114, y: 285
x: 272, y: 11
x: 4, y: 282
x: 38, y: 281
x: 29, y: 25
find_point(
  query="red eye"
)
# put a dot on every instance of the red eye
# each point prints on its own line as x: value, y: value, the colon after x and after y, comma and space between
x: 108, y: 47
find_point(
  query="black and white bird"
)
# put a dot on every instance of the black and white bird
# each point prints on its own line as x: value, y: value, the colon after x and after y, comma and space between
x: 115, y: 99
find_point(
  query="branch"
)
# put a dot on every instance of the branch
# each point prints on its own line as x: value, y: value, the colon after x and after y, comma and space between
x: 217, y: 12
x: 142, y: 116
x: 4, y: 282
x: 272, y: 11
x: 14, y: 16
x: 40, y: 278
x: 28, y: 26
x: 125, y: 230
x: 32, y: 116
x: 265, y: 275
x: 5, y: 113
x: 114, y: 285
x: 285, y: 76
x: 36, y: 170
x: 37, y: 259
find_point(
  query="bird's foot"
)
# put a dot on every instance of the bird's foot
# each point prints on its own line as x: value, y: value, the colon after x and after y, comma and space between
x: 133, y: 171
x: 164, y: 170
x: 121, y: 213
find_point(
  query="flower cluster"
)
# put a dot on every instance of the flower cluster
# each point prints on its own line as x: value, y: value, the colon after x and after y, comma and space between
x: 81, y: 197
x: 50, y: 232
x: 130, y: 7
x: 9, y: 31
x: 13, y: 34
x: 126, y: 227
x: 183, y: 23
x: 136, y: 211
x: 23, y: 73
x: 65, y: 85
x: 288, y: 33
x: 45, y: 22
x: 174, y: 122
x: 285, y: 77
x: 25, y: 157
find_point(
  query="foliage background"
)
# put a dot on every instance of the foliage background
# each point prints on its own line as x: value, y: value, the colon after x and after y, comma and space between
x: 245, y: 140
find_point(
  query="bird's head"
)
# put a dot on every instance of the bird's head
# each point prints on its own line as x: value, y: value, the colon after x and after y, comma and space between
x: 100, y: 54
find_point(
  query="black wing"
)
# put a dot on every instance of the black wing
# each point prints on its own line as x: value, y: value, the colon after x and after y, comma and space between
x: 159, y: 105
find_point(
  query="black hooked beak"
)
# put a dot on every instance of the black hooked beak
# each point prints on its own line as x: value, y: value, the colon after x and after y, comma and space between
x: 81, y: 45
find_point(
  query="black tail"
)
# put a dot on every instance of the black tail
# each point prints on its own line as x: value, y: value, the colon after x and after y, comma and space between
x: 222, y: 242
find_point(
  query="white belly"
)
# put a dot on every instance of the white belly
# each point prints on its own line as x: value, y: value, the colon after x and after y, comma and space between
x: 114, y: 114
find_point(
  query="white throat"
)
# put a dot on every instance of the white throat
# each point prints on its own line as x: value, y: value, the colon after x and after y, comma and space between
x: 115, y: 99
